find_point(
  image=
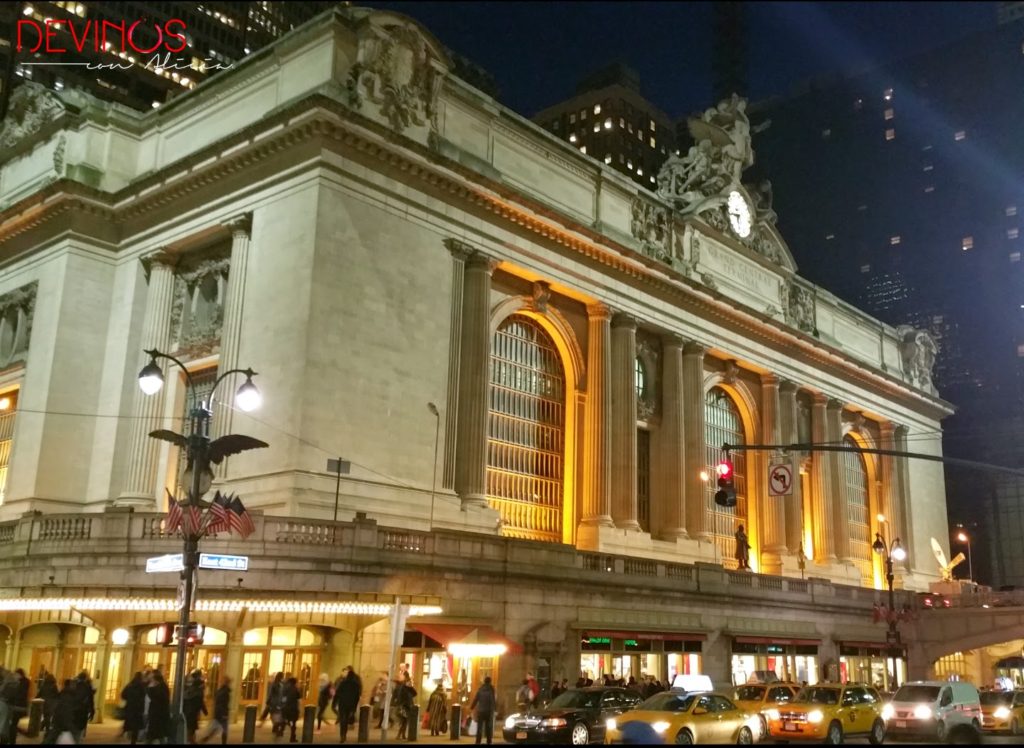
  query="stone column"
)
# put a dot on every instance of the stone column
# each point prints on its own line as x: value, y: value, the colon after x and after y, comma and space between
x: 139, y: 487
x: 231, y: 329
x: 840, y: 507
x: 101, y: 675
x: 788, y: 435
x: 597, y: 433
x: 821, y: 482
x: 773, y: 508
x: 460, y: 252
x: 694, y: 448
x: 623, y: 456
x: 670, y: 504
x: 233, y: 669
x: 903, y: 498
x: 474, y: 384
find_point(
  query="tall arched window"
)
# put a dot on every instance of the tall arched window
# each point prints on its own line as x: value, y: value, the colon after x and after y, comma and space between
x: 526, y: 434
x: 723, y: 425
x: 857, y: 507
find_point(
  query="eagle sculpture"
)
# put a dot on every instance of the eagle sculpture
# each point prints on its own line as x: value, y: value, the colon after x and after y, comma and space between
x: 219, y: 448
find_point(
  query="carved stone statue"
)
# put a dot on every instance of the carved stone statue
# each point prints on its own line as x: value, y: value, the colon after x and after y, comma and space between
x: 742, y: 549
x: 918, y: 350
x: 799, y: 308
x: 31, y: 107
x: 649, y: 225
x: 762, y: 195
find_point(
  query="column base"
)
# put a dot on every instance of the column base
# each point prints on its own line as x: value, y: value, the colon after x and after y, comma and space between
x: 474, y: 500
x: 629, y: 526
x: 135, y: 500
x: 771, y: 563
x: 678, y: 533
x: 601, y: 520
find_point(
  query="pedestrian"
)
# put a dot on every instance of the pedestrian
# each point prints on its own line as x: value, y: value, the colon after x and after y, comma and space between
x: 346, y: 700
x: 87, y: 700
x: 273, y: 697
x: 221, y: 713
x: 555, y: 690
x: 15, y: 693
x: 64, y: 725
x: 290, y: 698
x: 484, y: 704
x: 323, y: 699
x: 193, y: 703
x: 523, y: 696
x: 405, y: 696
x: 48, y: 692
x: 534, y: 689
x: 377, y: 698
x: 158, y: 716
x: 134, y: 697
x: 437, y: 710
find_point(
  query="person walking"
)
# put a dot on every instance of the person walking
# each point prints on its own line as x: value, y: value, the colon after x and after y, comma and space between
x: 405, y: 697
x: 221, y: 713
x: 65, y: 716
x: 193, y: 704
x: 346, y: 700
x: 134, y: 697
x: 323, y: 699
x: 437, y: 710
x: 377, y: 699
x: 48, y: 692
x: 87, y: 700
x: 290, y: 698
x: 273, y: 697
x: 158, y: 717
x: 484, y: 705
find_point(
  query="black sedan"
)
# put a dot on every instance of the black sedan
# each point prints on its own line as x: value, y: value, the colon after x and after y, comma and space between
x: 577, y: 716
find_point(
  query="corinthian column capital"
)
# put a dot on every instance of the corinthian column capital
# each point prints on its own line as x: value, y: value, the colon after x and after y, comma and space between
x: 240, y: 224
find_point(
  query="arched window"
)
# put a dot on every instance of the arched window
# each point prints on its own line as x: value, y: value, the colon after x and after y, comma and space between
x: 641, y: 379
x: 723, y: 425
x: 526, y: 431
x: 857, y: 507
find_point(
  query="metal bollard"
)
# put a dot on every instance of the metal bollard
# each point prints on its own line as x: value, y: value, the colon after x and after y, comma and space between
x: 249, y: 726
x: 308, y: 723
x: 35, y: 718
x: 413, y: 727
x: 364, y: 724
x: 455, y: 723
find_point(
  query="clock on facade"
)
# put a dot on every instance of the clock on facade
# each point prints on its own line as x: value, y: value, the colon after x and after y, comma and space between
x: 739, y: 214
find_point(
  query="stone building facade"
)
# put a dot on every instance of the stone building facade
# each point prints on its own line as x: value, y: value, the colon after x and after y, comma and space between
x: 530, y: 362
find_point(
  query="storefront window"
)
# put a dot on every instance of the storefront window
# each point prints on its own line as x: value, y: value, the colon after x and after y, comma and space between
x: 293, y: 651
x: 638, y: 655
x: 762, y: 662
x: 872, y: 665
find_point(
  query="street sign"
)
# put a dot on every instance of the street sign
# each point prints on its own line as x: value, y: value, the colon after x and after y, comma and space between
x: 170, y: 562
x: 341, y: 467
x: 780, y: 480
x: 223, y: 561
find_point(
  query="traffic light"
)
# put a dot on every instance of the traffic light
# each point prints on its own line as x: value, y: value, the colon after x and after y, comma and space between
x: 726, y: 493
x: 165, y: 634
x: 194, y: 634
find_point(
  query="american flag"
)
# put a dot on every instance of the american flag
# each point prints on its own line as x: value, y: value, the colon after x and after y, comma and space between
x: 240, y: 520
x: 173, y: 521
x: 219, y: 511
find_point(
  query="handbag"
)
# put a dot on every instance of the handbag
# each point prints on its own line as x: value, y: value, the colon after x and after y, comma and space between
x: 471, y: 727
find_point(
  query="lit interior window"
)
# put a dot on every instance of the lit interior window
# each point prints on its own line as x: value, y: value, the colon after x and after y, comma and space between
x: 608, y: 124
x: 597, y: 108
x: 826, y: 133
x: 572, y: 138
x: 858, y: 104
x: 1020, y: 350
x: 890, y: 134
x: 639, y: 172
x: 653, y: 143
x: 927, y: 167
x: 865, y: 268
x: 829, y: 237
x: 597, y: 127
x: 5, y: 403
x: 930, y: 188
x: 652, y: 125
x: 959, y: 135
x: 629, y: 165
x: 967, y: 243
x: 652, y: 180
x: 583, y: 114
x: 888, y: 94
x: 608, y: 159
x: 889, y: 114
x: 1011, y: 210
x: 894, y: 240
x: 1012, y: 233
x: 622, y: 122
x: 583, y: 149
x: 1014, y: 256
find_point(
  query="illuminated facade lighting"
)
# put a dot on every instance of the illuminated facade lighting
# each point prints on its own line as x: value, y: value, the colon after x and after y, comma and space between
x: 211, y: 606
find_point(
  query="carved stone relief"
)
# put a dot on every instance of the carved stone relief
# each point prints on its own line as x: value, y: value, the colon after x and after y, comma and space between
x: 200, y: 285
x: 17, y: 309
x: 918, y: 349
x: 651, y: 227
x: 31, y: 107
x: 396, y: 71
x: 799, y: 307
x: 648, y: 401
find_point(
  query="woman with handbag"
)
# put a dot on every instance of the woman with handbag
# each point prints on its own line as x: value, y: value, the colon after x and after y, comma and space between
x: 437, y: 711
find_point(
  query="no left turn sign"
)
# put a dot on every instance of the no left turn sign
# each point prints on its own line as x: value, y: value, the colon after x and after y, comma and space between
x: 780, y: 480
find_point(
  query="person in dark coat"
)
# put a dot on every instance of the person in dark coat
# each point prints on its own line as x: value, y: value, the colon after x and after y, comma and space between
x: 87, y: 699
x: 346, y: 700
x: 290, y: 706
x: 323, y: 699
x: 134, y: 697
x: 158, y: 720
x: 48, y: 692
x: 437, y: 711
x: 405, y: 696
x: 221, y: 713
x: 15, y: 693
x: 484, y: 705
x: 273, y: 697
x: 193, y: 703
x: 65, y: 714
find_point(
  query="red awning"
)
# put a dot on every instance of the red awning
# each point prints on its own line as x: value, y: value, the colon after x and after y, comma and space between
x: 459, y: 633
x: 770, y: 640
x: 658, y: 636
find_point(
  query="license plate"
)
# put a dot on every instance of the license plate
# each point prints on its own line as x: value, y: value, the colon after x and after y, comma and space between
x: 520, y: 736
x: 789, y: 727
x: 901, y: 723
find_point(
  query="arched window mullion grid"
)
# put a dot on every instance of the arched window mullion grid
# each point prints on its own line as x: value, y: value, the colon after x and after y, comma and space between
x: 526, y: 431
x: 723, y: 425
x: 858, y: 507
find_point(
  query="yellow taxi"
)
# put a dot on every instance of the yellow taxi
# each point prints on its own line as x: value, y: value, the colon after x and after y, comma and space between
x: 758, y: 697
x: 687, y: 718
x: 1002, y: 711
x: 829, y: 712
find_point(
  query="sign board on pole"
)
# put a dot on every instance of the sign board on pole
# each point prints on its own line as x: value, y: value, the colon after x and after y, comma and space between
x: 341, y: 467
x: 170, y: 562
x: 780, y: 479
x: 223, y: 561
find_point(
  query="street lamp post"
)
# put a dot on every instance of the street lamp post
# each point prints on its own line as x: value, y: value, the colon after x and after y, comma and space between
x: 963, y: 537
x: 198, y: 455
x: 890, y: 552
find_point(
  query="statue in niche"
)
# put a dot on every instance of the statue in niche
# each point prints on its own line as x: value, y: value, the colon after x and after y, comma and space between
x: 918, y: 350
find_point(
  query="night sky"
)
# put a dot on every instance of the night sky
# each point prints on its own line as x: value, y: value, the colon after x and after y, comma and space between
x: 538, y: 51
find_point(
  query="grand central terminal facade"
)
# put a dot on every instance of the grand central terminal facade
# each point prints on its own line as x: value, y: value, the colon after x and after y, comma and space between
x: 529, y: 363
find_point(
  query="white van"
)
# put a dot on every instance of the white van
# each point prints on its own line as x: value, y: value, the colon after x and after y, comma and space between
x: 931, y: 708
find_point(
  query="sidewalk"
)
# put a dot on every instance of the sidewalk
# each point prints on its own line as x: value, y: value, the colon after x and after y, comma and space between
x: 108, y: 732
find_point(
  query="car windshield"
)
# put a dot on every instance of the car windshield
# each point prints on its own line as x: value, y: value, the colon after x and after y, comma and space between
x: 817, y: 695
x: 667, y: 702
x: 749, y: 693
x: 916, y: 694
x: 576, y: 700
x: 996, y: 698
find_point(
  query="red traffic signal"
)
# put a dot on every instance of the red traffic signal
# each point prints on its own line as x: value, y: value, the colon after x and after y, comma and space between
x: 726, y: 493
x: 165, y: 634
x: 724, y: 470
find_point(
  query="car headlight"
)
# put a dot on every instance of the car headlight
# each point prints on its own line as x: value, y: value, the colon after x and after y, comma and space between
x: 510, y: 721
x: 611, y: 724
x: 922, y: 711
x: 888, y: 712
x: 772, y: 714
x: 553, y: 722
x: 815, y: 717
x: 1002, y: 713
x: 660, y: 727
